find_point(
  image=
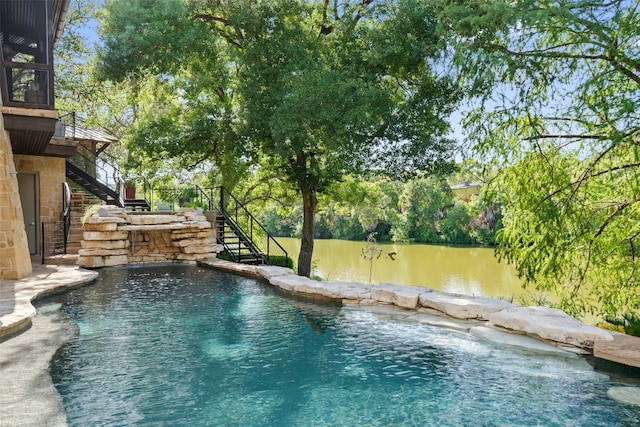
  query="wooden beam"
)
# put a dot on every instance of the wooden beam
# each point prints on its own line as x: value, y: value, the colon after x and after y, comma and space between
x: 30, y: 112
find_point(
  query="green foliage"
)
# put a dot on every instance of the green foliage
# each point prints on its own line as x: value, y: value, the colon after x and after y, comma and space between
x: 557, y: 88
x: 354, y: 209
x: 630, y: 323
x: 310, y: 90
x: 88, y: 212
x: 455, y: 225
x: 423, y: 203
x: 281, y: 261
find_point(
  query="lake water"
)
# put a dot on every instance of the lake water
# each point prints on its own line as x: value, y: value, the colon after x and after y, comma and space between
x: 470, y: 271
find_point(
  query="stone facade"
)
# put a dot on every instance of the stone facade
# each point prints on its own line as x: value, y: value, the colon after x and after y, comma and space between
x: 112, y: 236
x: 51, y: 175
x: 15, y: 260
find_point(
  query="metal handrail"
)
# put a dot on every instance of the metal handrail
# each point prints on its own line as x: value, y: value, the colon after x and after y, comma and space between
x: 95, y: 163
x: 66, y: 213
x: 54, y: 235
x: 202, y: 196
x: 244, y: 224
x: 231, y: 207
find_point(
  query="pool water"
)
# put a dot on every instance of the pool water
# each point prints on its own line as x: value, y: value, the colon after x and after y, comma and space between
x: 187, y: 346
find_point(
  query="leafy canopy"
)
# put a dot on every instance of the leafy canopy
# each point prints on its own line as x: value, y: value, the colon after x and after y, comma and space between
x: 316, y: 89
x: 558, y: 95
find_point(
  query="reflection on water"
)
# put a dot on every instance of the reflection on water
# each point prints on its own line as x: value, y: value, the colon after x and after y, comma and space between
x: 470, y: 271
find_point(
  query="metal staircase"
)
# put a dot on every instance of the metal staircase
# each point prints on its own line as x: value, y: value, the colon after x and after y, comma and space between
x: 236, y: 243
x: 244, y: 238
x: 93, y: 186
x: 101, y: 179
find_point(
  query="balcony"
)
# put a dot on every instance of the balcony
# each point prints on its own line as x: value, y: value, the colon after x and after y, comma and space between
x: 27, y: 32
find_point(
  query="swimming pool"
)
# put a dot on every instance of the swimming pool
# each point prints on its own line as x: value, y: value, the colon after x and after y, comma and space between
x: 183, y: 345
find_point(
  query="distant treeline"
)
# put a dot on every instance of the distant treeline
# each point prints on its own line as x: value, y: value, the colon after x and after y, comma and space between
x: 417, y: 211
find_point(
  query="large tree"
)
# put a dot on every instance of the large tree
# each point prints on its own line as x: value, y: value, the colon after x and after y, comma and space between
x: 318, y: 88
x: 558, y: 86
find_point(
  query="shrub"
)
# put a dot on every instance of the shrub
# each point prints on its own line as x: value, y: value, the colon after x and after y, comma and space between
x: 281, y: 261
x: 629, y: 324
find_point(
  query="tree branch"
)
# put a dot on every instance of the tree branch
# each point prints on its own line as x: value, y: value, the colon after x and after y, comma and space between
x: 215, y: 21
x: 560, y: 136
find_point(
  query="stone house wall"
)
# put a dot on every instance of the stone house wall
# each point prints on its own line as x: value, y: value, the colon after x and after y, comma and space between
x: 51, y: 175
x: 15, y: 261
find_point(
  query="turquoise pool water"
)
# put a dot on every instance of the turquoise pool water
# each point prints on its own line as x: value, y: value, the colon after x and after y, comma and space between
x: 187, y: 346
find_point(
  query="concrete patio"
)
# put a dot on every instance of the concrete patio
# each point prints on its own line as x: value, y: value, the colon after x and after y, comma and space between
x: 16, y: 309
x: 28, y: 343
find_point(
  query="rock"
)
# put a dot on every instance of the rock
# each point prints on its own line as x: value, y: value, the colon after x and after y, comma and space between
x: 105, y: 235
x: 155, y: 219
x: 194, y: 214
x: 268, y: 271
x: 551, y: 324
x: 463, y: 306
x: 623, y: 349
x: 294, y: 283
x: 105, y: 244
x: 93, y: 219
x: 150, y: 228
x: 402, y: 296
x: 188, y: 234
x: 518, y: 340
x: 201, y: 225
x: 626, y: 395
x: 104, y: 226
x: 101, y: 261
x: 345, y: 290
x: 203, y: 249
x: 101, y: 252
x: 207, y: 241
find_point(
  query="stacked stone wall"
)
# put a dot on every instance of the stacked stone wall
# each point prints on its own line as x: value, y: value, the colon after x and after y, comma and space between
x: 15, y: 261
x: 112, y: 236
x: 51, y: 175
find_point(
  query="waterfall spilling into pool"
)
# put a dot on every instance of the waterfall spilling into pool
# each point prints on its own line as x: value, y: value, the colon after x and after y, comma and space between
x: 184, y: 345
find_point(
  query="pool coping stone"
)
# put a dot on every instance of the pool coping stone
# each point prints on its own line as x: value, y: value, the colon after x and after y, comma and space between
x: 496, y: 320
x: 16, y: 296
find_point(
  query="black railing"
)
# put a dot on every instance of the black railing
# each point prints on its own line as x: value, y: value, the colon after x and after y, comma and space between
x: 244, y: 223
x: 66, y: 213
x: 205, y: 197
x: 54, y: 235
x: 101, y: 170
x: 52, y: 239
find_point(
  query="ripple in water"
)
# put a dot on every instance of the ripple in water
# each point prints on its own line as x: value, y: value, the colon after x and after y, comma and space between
x: 182, y: 345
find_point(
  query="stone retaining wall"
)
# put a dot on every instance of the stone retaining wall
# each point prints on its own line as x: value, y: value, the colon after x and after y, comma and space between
x: 113, y: 236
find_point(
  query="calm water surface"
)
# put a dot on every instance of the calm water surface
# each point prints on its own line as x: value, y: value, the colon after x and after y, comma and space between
x: 470, y: 271
x: 186, y: 346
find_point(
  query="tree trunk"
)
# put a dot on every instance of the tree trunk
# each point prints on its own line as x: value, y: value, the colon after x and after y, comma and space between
x: 309, y: 203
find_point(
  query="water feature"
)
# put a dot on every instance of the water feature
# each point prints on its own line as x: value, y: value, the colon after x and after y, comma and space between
x: 182, y: 345
x: 465, y: 270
